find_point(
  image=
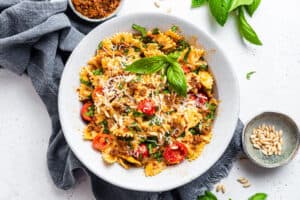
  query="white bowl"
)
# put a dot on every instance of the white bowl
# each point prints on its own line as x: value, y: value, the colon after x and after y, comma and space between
x: 96, y: 20
x: 134, y: 179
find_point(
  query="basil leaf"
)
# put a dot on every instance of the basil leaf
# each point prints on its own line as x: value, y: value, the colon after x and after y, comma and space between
x: 258, y: 196
x: 249, y: 74
x: 207, y: 196
x: 246, y: 30
x: 174, y: 28
x: 172, y: 57
x: 252, y: 8
x: 147, y: 65
x: 176, y: 79
x: 219, y: 9
x: 237, y: 3
x: 197, y: 3
x: 140, y: 29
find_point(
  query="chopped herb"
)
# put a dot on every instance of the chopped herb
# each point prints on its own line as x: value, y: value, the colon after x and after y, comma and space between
x: 149, y: 147
x: 166, y: 91
x: 249, y: 74
x: 97, y: 72
x: 152, y: 140
x: 170, y: 112
x: 203, y: 67
x: 120, y: 86
x: 212, y: 109
x: 155, y: 31
x: 155, y: 121
x: 182, y: 44
x: 90, y: 111
x: 187, y: 54
x: 105, y: 126
x: 127, y: 109
x: 100, y: 45
x: 88, y: 83
x: 174, y: 28
x: 182, y: 134
x: 136, y: 49
x: 157, y: 155
x: 137, y: 114
x: 140, y: 29
x: 126, y: 51
x: 196, y: 130
x: 134, y: 127
x: 147, y: 39
x: 167, y: 134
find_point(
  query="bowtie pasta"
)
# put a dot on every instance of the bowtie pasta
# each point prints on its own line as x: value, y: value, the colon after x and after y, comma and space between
x: 138, y: 120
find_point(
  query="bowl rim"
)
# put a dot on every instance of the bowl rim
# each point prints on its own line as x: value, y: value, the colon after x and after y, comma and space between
x: 226, y: 142
x: 116, y: 11
x: 286, y: 161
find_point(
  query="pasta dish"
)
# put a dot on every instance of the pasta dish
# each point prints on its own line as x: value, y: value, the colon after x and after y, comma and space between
x: 147, y: 99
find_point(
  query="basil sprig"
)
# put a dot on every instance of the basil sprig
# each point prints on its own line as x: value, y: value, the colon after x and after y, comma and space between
x: 246, y: 30
x: 220, y: 10
x: 175, y: 74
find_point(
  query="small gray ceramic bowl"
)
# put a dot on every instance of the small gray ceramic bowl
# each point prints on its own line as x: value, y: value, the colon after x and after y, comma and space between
x: 291, y: 138
x: 95, y: 20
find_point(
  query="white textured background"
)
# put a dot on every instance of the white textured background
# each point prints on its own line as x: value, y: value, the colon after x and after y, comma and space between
x: 25, y: 126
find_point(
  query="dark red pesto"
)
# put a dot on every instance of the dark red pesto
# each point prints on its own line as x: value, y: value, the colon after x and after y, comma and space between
x: 96, y: 9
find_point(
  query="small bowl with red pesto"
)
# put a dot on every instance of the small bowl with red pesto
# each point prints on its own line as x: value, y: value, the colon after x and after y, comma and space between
x: 95, y: 11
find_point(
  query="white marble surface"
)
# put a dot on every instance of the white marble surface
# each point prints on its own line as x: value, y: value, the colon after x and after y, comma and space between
x: 25, y: 126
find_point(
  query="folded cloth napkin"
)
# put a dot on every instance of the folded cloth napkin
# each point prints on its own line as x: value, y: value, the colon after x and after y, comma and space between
x: 35, y: 38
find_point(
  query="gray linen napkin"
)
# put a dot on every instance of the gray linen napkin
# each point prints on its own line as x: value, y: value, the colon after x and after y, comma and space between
x: 36, y: 38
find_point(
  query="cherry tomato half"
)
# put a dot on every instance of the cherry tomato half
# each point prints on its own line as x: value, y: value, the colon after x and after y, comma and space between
x: 142, y: 151
x: 202, y: 98
x: 85, y: 110
x: 147, y: 106
x: 97, y: 90
x: 185, y: 69
x: 175, y: 153
x: 101, y: 141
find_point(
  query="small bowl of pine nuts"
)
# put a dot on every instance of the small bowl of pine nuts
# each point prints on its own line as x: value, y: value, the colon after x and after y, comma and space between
x: 271, y: 139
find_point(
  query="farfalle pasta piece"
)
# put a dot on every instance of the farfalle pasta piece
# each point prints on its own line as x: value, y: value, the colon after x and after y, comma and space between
x: 206, y: 79
x: 174, y: 35
x: 153, y: 168
x: 194, y: 150
x: 194, y: 56
x: 166, y: 42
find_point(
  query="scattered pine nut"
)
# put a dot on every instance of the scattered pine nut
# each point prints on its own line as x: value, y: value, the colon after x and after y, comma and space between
x: 157, y: 4
x: 245, y: 182
x: 220, y: 188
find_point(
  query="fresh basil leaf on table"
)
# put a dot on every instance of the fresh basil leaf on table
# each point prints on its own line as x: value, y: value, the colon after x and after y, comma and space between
x: 207, y: 196
x: 197, y: 3
x: 219, y: 9
x: 258, y: 196
x: 237, y: 3
x: 252, y: 8
x: 246, y: 30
